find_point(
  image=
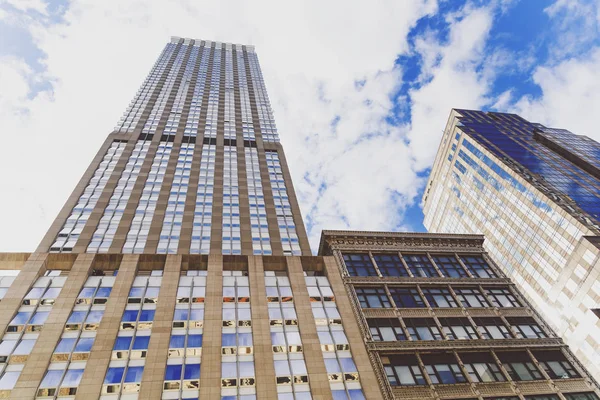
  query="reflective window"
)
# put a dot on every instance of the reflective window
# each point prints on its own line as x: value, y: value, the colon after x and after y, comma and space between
x: 390, y: 265
x: 359, y: 265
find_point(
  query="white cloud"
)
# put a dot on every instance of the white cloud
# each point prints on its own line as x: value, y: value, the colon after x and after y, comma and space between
x: 359, y: 173
x: 570, y: 96
x: 451, y: 79
x: 27, y: 5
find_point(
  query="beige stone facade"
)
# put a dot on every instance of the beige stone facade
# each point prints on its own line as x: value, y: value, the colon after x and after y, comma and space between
x: 77, y: 274
x: 419, y: 289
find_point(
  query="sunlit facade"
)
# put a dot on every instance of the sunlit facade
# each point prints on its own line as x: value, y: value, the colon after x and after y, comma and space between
x: 534, y: 192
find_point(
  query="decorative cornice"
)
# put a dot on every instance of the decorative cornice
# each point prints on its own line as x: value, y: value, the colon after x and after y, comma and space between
x: 398, y: 241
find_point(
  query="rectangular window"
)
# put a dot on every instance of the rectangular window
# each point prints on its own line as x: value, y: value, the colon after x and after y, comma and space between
x: 420, y: 266
x: 359, y: 265
x: 423, y: 329
x: 449, y: 266
x: 478, y: 266
x: 386, y: 330
x: 390, y: 265
x: 403, y: 370
x: 373, y: 298
x: 406, y: 297
x: 519, y: 366
x: 482, y: 367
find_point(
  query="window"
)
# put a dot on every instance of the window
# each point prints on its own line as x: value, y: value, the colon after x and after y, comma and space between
x: 423, y: 329
x: 442, y: 368
x: 359, y: 265
x: 471, y: 297
x: 492, y: 328
x: 341, y: 369
x: 458, y: 328
x: 439, y: 297
x: 526, y: 327
x: 237, y: 360
x: 9, y: 380
x: 502, y: 297
x: 555, y: 364
x: 420, y: 266
x: 478, y: 266
x: 403, y: 370
x: 386, y: 330
x: 502, y: 398
x: 406, y: 297
x: 373, y: 298
x: 519, y: 366
x: 390, y: 265
x: 581, y: 396
x: 449, y: 266
x: 482, y: 367
x: 542, y: 397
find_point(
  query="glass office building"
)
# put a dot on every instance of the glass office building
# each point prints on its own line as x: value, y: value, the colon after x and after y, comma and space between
x: 534, y: 192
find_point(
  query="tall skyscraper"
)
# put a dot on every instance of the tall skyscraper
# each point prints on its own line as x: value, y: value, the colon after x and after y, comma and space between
x: 534, y: 192
x: 193, y: 166
x: 179, y: 268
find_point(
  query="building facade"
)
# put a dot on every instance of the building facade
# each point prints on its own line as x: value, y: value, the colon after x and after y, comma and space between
x: 179, y: 268
x: 193, y: 166
x: 441, y: 320
x: 534, y: 192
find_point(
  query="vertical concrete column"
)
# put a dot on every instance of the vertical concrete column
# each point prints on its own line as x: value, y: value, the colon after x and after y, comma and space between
x: 95, y: 370
x: 156, y: 359
x: 34, y: 267
x: 317, y: 374
x: 261, y: 332
x: 38, y: 360
x: 210, y: 376
x: 368, y: 380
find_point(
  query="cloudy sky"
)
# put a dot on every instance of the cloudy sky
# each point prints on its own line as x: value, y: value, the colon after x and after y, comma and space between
x: 361, y: 90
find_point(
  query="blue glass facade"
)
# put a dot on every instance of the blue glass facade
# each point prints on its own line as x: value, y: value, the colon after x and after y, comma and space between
x: 564, y: 166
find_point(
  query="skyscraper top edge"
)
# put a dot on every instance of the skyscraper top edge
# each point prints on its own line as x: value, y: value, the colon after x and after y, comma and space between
x: 198, y: 42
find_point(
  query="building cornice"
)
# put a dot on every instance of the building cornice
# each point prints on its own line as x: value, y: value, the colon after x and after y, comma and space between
x: 413, y: 241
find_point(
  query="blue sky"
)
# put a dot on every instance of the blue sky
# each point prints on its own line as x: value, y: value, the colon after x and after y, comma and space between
x: 361, y: 92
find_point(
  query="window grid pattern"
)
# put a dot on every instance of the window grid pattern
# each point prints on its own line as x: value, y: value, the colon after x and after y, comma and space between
x: 231, y: 203
x: 201, y: 229
x: 105, y: 232
x: 70, y: 355
x: 261, y: 242
x: 76, y: 221
x: 177, y: 108
x: 390, y: 265
x: 229, y: 117
x: 24, y: 329
x: 288, y: 357
x: 161, y: 102
x: 171, y: 228
x: 140, y: 225
x: 265, y: 113
x: 420, y: 265
x: 193, y: 119
x: 182, y: 374
x: 343, y: 375
x: 132, y: 115
x: 124, y: 374
x: 212, y: 112
x: 237, y: 351
x: 247, y: 121
x: 283, y: 209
